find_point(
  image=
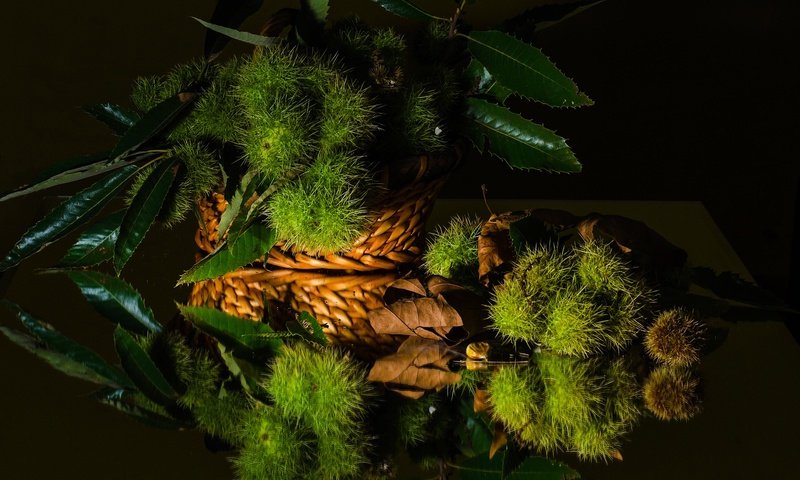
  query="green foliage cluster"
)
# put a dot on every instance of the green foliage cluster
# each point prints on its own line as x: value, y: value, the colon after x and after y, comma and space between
x: 563, y: 403
x: 577, y: 301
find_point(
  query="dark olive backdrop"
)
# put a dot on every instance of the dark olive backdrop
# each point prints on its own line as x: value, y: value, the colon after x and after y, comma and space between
x: 694, y: 101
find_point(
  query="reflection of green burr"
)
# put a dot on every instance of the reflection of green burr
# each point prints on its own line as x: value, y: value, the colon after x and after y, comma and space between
x: 563, y: 403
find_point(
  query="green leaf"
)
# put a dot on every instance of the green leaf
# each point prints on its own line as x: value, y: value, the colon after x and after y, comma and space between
x: 73, y: 170
x: 405, y: 8
x: 533, y: 468
x: 126, y: 401
x: 524, y: 69
x: 540, y: 17
x: 243, y: 192
x: 518, y: 141
x: 142, y: 370
x: 143, y: 211
x: 307, y: 329
x: 152, y: 123
x: 118, y: 119
x: 64, y: 218
x: 116, y: 300
x: 61, y: 352
x: 248, y: 247
x: 244, y: 337
x: 245, y: 37
x: 96, y: 244
x: 310, y: 21
x: 230, y: 14
x: 484, y: 83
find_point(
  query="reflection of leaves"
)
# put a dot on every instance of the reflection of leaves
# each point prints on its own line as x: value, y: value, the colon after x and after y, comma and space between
x: 499, y: 440
x: 540, y: 468
x: 418, y: 365
x: 731, y: 286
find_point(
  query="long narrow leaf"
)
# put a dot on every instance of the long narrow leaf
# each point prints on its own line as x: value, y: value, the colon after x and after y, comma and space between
x: 143, y: 211
x: 235, y: 204
x: 245, y: 37
x: 116, y: 300
x: 63, y: 353
x: 142, y: 370
x: 518, y: 141
x: 127, y: 402
x: 406, y: 8
x: 118, y: 119
x: 152, y: 123
x: 244, y: 337
x: 230, y: 14
x: 67, y: 216
x: 96, y: 244
x: 248, y: 247
x: 73, y: 170
x: 524, y: 69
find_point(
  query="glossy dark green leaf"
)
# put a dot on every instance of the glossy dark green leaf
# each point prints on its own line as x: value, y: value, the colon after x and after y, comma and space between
x: 310, y: 21
x: 67, y: 216
x: 516, y: 140
x: 118, y: 119
x: 484, y: 83
x: 142, y: 370
x: 230, y: 14
x: 305, y: 333
x: 153, y: 123
x: 540, y: 17
x: 243, y: 192
x: 143, y: 211
x: 533, y: 468
x: 245, y: 37
x: 406, y: 8
x: 248, y: 247
x: 116, y: 300
x: 73, y: 170
x: 96, y: 244
x: 61, y: 352
x: 242, y: 336
x: 524, y: 69
x: 128, y: 402
x: 316, y: 329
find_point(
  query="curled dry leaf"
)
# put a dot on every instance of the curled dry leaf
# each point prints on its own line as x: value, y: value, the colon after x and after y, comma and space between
x: 499, y: 440
x: 480, y: 402
x: 495, y: 251
x: 418, y: 366
x: 425, y: 317
x: 633, y: 237
x: 403, y: 288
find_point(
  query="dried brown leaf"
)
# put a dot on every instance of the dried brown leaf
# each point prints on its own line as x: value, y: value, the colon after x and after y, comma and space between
x: 417, y: 316
x: 480, y: 401
x: 418, y: 363
x: 438, y: 285
x: 499, y: 440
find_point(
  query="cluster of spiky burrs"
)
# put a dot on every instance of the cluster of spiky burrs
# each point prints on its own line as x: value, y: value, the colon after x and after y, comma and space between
x: 578, y: 301
x: 560, y: 403
x: 305, y: 121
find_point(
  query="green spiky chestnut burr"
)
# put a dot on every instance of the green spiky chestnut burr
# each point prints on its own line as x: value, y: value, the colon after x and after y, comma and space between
x: 452, y: 251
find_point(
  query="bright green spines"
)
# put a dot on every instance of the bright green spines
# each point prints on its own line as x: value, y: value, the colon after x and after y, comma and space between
x: 513, y: 314
x: 325, y: 209
x: 347, y: 116
x: 515, y: 397
x: 452, y: 251
x: 574, y: 324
